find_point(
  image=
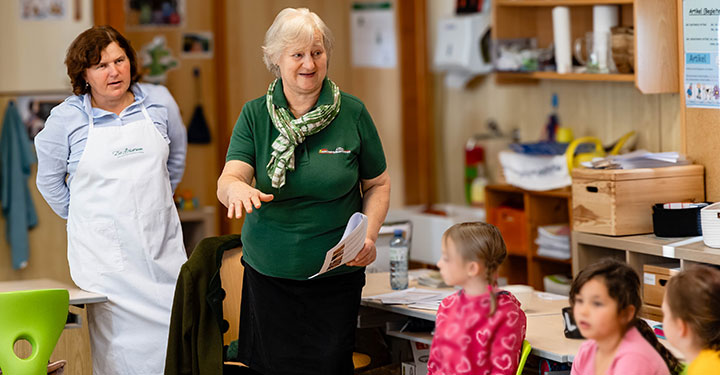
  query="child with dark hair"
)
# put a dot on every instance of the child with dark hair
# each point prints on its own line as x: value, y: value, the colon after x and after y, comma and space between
x: 691, y: 310
x: 480, y: 329
x: 605, y: 298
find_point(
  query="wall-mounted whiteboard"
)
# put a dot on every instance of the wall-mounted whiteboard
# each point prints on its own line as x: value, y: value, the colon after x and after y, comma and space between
x: 33, y: 44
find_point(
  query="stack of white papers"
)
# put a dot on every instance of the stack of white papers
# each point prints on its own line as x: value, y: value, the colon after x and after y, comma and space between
x: 554, y: 241
x: 413, y: 297
x: 638, y: 159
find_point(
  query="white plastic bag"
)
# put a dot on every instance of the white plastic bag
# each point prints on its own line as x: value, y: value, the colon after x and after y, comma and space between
x: 535, y: 172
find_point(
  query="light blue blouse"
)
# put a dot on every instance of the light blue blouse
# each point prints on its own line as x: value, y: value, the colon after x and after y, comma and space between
x: 61, y: 143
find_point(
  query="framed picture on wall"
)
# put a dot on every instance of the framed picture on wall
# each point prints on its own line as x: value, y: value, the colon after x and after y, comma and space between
x: 39, y: 10
x: 197, y: 45
x: 154, y: 13
x: 34, y: 110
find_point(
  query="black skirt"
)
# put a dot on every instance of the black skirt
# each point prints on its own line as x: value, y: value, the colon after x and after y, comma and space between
x: 299, y: 326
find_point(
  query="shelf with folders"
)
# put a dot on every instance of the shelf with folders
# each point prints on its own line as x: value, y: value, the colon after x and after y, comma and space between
x: 654, y: 49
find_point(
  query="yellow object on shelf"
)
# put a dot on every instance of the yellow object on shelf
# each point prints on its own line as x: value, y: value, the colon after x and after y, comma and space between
x: 599, y: 152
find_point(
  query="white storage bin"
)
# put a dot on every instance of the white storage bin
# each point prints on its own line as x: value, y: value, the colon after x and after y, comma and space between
x: 427, y: 229
x: 710, y: 219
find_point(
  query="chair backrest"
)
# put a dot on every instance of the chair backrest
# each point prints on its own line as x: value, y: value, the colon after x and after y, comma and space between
x: 231, y: 275
x: 38, y: 316
x: 526, y: 348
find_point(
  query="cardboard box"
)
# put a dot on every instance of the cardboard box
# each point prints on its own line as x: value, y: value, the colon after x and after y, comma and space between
x: 655, y: 278
x: 619, y: 202
x: 651, y: 312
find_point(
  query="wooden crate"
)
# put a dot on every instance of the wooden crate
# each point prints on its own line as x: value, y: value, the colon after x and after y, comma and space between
x: 619, y: 202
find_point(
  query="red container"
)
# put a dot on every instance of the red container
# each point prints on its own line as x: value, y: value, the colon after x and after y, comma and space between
x: 511, y: 223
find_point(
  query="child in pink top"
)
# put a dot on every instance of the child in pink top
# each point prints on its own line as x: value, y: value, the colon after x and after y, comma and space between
x: 480, y: 329
x: 605, y: 298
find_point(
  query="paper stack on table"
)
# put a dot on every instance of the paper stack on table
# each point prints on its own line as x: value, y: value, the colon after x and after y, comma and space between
x: 638, y: 159
x: 413, y: 297
x: 554, y: 241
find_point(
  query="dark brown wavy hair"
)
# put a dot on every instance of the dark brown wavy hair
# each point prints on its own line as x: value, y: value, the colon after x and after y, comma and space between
x: 693, y: 296
x: 623, y: 286
x: 86, y: 50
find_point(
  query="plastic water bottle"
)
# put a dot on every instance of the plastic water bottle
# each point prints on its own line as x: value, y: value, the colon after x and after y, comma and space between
x: 398, y: 261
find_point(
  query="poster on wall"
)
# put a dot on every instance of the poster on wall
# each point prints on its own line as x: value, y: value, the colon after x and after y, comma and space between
x: 197, y: 45
x: 154, y: 13
x: 702, y: 53
x: 40, y: 10
x: 373, y: 35
x: 34, y: 110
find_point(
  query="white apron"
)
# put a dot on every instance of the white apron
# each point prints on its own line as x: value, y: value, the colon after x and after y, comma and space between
x: 125, y: 241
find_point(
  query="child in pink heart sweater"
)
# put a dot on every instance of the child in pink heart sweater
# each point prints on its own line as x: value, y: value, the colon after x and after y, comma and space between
x: 480, y: 329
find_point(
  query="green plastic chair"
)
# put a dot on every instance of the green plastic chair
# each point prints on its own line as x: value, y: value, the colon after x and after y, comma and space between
x: 526, y: 348
x: 38, y: 316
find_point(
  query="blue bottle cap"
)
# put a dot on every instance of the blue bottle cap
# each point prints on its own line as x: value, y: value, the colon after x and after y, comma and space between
x: 398, y: 232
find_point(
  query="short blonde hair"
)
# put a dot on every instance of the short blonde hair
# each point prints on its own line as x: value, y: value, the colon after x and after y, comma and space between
x: 293, y: 27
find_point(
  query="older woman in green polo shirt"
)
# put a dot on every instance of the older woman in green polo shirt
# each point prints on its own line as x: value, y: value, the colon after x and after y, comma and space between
x: 316, y: 158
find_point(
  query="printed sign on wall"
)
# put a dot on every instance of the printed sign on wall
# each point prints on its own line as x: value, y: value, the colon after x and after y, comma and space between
x: 702, y: 53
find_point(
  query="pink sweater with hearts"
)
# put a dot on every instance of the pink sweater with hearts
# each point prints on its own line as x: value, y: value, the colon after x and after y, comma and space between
x: 469, y: 341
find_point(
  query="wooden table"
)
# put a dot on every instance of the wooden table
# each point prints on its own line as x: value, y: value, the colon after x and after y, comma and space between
x: 545, y: 328
x: 379, y: 283
x: 77, y: 296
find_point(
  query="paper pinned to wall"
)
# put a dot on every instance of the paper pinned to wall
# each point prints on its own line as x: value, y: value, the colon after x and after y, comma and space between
x: 701, y: 31
x: 373, y: 35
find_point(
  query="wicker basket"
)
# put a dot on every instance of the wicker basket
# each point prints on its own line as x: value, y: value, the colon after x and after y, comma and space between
x: 710, y: 218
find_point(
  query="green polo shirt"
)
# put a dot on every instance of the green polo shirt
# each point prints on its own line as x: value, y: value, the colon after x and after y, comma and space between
x: 289, y: 236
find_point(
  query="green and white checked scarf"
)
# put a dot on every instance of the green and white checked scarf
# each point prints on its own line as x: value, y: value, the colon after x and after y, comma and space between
x: 294, y: 131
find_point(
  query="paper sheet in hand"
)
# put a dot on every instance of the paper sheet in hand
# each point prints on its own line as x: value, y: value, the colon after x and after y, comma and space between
x: 349, y: 246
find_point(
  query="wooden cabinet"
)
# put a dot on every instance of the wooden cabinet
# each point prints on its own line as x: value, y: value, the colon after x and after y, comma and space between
x: 639, y: 250
x: 518, y: 213
x: 656, y: 38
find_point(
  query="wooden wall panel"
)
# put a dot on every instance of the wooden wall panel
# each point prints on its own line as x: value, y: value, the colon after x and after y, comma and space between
x: 604, y: 110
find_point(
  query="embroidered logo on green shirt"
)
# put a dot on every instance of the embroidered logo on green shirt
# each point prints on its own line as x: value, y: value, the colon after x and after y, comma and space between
x: 127, y: 151
x: 338, y: 150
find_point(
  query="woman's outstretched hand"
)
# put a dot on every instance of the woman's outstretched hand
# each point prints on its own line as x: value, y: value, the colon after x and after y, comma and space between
x: 243, y: 196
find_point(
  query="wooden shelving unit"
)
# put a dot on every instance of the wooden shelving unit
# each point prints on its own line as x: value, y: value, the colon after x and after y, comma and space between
x: 639, y: 250
x: 524, y: 265
x: 656, y: 42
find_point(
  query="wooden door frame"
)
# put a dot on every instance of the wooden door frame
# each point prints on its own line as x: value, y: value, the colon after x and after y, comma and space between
x: 416, y: 104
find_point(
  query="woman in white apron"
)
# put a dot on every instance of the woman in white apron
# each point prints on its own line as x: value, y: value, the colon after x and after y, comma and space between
x: 124, y: 237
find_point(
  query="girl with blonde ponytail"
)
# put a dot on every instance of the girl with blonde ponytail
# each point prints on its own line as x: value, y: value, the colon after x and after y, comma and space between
x: 479, y: 319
